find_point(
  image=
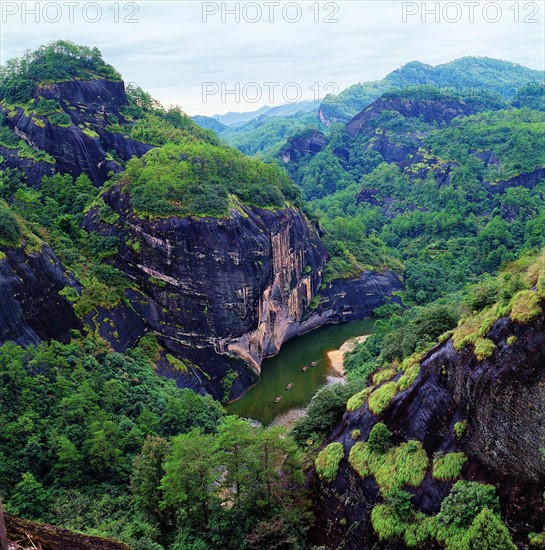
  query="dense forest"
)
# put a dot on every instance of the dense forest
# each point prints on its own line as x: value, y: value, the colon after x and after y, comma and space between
x: 97, y: 441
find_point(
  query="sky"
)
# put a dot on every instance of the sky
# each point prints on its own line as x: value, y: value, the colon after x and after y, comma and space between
x: 215, y: 57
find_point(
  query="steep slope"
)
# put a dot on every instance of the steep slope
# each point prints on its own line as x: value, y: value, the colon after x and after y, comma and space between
x: 472, y: 405
x: 237, y: 284
x: 31, y: 277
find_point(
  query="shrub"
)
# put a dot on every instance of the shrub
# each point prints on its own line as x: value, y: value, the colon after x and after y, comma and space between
x: 328, y: 461
x: 537, y: 539
x: 358, y: 400
x: 460, y: 428
x: 511, y: 340
x: 381, y: 397
x: 402, y: 465
x: 525, y: 306
x: 448, y: 466
x: 9, y: 228
x: 464, y: 502
x: 484, y: 348
x: 384, y: 375
x: 380, y: 438
x: 487, y: 531
x: 386, y: 524
x: 400, y: 502
x: 60, y: 119
x: 46, y: 107
x: 356, y: 434
x: 408, y: 378
x: 326, y: 409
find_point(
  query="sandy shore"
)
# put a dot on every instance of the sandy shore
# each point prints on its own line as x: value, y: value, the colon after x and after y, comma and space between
x: 337, y: 356
x: 289, y: 418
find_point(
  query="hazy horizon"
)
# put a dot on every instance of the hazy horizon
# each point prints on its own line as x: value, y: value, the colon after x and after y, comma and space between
x: 178, y: 50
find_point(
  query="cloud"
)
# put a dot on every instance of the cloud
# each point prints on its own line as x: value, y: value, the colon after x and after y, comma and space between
x: 171, y: 52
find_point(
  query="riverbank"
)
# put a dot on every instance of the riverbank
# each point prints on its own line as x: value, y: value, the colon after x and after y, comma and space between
x: 336, y: 357
x: 287, y: 368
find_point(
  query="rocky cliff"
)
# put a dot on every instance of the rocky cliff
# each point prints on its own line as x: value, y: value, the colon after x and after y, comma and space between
x: 32, y: 310
x: 489, y: 408
x: 83, y: 144
x: 223, y: 293
x: 440, y: 111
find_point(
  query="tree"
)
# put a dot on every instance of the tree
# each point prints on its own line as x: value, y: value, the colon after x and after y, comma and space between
x: 487, y: 531
x: 380, y: 438
x: 465, y: 501
x: 30, y: 499
x: 9, y: 228
x: 234, y: 440
x: 147, y: 474
x: 190, y: 469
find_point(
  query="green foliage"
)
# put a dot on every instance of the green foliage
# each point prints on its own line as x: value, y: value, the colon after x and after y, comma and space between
x: 525, y: 306
x: 381, y: 397
x: 405, y: 464
x: 448, y: 466
x: 358, y: 400
x: 60, y: 119
x: 460, y: 428
x: 9, y: 228
x: 325, y: 410
x: 465, y: 502
x: 30, y: 499
x: 515, y: 136
x: 197, y: 178
x: 487, y: 531
x: 380, y: 439
x: 47, y: 107
x: 537, y: 539
x: 386, y: 523
x: 57, y: 62
x: 328, y: 461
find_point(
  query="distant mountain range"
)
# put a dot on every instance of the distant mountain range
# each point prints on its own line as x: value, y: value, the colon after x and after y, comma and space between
x: 466, y: 73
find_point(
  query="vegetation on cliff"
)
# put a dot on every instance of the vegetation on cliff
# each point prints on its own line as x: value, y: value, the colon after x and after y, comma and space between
x: 197, y: 178
x: 59, y: 61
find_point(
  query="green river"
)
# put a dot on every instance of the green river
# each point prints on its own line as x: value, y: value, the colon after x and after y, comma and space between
x: 285, y: 368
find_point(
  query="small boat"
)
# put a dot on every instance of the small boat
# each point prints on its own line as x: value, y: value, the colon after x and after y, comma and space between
x: 289, y: 386
x: 277, y: 400
x: 313, y: 364
x: 304, y: 369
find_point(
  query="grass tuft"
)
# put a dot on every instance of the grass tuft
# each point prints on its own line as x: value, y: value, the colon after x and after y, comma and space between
x: 449, y: 466
x: 381, y: 397
x: 328, y: 461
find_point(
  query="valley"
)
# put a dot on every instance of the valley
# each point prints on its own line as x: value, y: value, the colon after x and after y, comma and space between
x: 166, y: 279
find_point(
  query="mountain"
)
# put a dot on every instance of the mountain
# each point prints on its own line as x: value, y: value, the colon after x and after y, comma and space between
x: 235, y: 119
x: 147, y: 245
x: 147, y: 269
x: 444, y: 430
x: 472, y: 75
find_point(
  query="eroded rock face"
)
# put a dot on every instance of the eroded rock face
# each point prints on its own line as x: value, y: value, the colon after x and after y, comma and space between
x: 225, y: 293
x: 502, y: 399
x: 83, y: 147
x: 31, y: 308
x: 311, y: 143
x: 441, y: 111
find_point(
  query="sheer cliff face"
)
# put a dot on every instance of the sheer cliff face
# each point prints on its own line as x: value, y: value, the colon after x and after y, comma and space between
x: 82, y: 147
x: 236, y: 286
x: 31, y: 308
x: 502, y: 401
x: 227, y: 292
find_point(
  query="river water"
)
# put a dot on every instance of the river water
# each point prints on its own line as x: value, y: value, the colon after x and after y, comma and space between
x: 285, y: 368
